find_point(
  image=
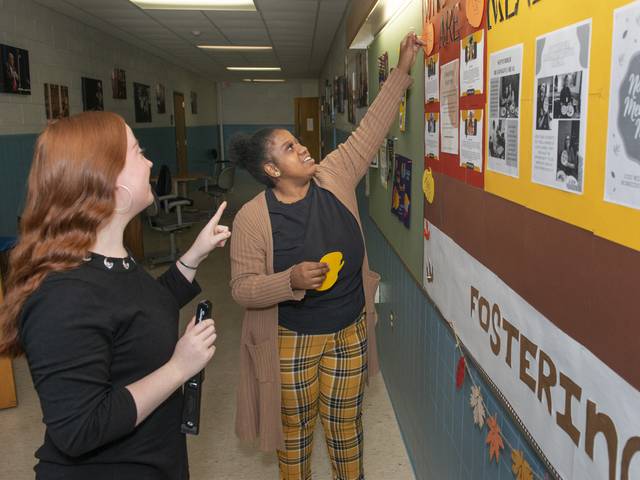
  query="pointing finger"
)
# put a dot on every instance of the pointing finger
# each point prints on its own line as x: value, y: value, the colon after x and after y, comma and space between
x: 218, y: 215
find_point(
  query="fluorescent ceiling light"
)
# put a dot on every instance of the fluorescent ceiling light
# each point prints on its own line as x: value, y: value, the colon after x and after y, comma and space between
x: 234, y: 48
x: 382, y: 13
x: 254, y: 69
x: 242, y: 5
x: 264, y: 80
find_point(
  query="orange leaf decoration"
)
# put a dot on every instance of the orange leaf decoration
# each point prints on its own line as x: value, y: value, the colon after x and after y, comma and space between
x: 428, y: 37
x: 475, y: 12
x: 520, y: 467
x: 494, y: 439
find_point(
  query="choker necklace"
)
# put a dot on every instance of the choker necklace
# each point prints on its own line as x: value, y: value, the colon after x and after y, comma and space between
x: 110, y: 263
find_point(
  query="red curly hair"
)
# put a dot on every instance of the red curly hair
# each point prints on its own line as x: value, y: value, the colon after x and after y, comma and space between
x: 70, y: 194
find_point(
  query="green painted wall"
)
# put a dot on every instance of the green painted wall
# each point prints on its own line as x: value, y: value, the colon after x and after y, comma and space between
x: 408, y: 243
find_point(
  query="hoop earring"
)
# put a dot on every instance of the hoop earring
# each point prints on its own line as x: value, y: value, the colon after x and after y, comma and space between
x: 125, y: 210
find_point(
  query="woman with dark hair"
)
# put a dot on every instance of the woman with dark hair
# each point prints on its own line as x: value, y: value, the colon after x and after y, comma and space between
x: 99, y: 333
x: 299, y: 267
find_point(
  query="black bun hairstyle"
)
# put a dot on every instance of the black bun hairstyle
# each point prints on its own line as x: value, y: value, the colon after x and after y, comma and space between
x: 251, y: 152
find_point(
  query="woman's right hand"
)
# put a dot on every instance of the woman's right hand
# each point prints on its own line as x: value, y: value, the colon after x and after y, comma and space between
x: 195, y: 348
x: 308, y: 275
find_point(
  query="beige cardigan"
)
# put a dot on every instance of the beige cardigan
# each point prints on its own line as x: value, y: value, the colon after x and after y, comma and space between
x: 259, y: 290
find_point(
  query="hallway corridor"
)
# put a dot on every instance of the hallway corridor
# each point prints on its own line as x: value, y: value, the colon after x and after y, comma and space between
x: 216, y: 453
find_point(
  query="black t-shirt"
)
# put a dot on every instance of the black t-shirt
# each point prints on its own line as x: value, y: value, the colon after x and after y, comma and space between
x: 304, y: 232
x: 87, y: 333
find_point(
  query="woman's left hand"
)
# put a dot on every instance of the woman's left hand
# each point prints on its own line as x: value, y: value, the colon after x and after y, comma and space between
x: 212, y: 236
x: 409, y: 48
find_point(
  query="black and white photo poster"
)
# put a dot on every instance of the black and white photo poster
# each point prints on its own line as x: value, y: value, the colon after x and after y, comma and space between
x: 142, y: 102
x: 505, y: 85
x: 431, y: 134
x: 431, y: 70
x: 472, y: 64
x: 622, y: 175
x: 560, y: 107
x: 15, y: 76
x: 449, y: 107
x: 92, y: 95
x: 471, y: 139
x: 383, y: 164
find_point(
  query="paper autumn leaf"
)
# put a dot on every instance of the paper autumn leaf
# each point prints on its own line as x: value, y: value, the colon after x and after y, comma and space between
x: 460, y: 373
x: 494, y: 439
x: 520, y: 467
x: 478, y: 407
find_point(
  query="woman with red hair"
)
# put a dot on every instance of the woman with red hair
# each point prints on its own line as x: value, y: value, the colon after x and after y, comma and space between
x: 100, y: 334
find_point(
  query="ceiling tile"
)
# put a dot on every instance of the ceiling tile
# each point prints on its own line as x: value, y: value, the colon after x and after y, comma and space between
x: 301, y: 32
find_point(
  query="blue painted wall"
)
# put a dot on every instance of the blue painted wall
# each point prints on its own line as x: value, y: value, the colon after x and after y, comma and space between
x: 16, y: 153
x: 233, y: 129
x: 245, y: 187
x: 200, y: 142
x: 435, y: 419
x: 159, y: 145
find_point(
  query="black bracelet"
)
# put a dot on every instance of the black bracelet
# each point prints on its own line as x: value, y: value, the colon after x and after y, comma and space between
x: 186, y: 266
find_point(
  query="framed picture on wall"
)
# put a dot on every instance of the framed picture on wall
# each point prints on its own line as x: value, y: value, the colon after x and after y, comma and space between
x: 15, y: 76
x: 64, y: 101
x: 383, y: 68
x: 194, y: 103
x: 119, y: 83
x: 92, y: 96
x: 334, y: 96
x: 342, y: 92
x: 142, y: 102
x: 56, y: 100
x: 160, y: 98
x: 362, y: 73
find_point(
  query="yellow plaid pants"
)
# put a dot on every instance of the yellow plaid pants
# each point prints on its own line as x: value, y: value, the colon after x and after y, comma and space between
x: 324, y: 373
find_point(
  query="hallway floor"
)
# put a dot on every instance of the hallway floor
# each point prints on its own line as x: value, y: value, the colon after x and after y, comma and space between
x: 216, y: 453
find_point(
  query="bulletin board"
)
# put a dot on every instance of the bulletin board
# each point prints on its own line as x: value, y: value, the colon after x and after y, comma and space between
x: 408, y: 143
x: 545, y: 248
x: 455, y: 91
x: 528, y: 22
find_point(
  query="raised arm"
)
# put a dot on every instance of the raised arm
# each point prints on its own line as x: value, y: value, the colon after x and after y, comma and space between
x: 212, y: 236
x: 351, y: 159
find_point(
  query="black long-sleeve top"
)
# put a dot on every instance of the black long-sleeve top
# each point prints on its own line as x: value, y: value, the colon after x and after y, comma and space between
x: 88, y: 333
x: 304, y: 232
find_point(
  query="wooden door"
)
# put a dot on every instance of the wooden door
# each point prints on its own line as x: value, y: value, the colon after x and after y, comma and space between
x: 7, y: 383
x: 181, y: 133
x: 307, y: 111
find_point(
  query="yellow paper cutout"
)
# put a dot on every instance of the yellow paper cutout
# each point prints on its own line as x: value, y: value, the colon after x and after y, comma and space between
x: 335, y: 262
x: 395, y: 202
x: 428, y: 185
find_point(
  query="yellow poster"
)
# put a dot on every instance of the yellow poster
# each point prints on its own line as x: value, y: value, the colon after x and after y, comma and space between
x: 571, y: 190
